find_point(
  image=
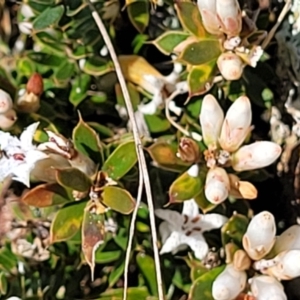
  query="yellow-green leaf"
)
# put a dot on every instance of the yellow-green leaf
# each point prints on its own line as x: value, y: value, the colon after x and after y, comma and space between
x: 138, y: 13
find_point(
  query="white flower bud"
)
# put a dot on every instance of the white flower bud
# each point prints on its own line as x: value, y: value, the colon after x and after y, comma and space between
x: 230, y: 17
x: 260, y: 235
x: 287, y: 265
x: 267, y: 288
x: 211, y: 119
x: 255, y: 156
x: 229, y: 284
x: 5, y: 102
x: 288, y: 240
x: 209, y: 15
x: 236, y: 125
x: 25, y: 27
x: 217, y: 185
x: 8, y: 119
x: 230, y: 66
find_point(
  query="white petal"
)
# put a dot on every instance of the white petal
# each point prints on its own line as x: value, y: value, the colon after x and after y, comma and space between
x: 229, y: 284
x: 288, y: 240
x: 165, y: 229
x: 5, y: 102
x: 260, y: 235
x: 190, y: 208
x: 217, y: 185
x: 209, y: 17
x: 172, y: 243
x: 8, y: 119
x: 211, y: 119
x: 27, y: 136
x: 193, y: 171
x: 255, y: 156
x: 197, y: 243
x: 236, y: 124
x: 212, y: 221
x: 22, y: 174
x: 267, y: 288
x: 171, y: 216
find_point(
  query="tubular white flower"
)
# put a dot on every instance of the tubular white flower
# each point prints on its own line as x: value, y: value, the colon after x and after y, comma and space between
x: 230, y: 66
x: 5, y: 102
x: 255, y: 156
x: 287, y: 265
x: 230, y: 17
x: 211, y: 119
x: 186, y: 229
x: 267, y: 288
x: 229, y: 284
x: 217, y: 185
x: 8, y: 119
x: 260, y: 235
x: 208, y: 13
x: 288, y: 240
x: 236, y: 125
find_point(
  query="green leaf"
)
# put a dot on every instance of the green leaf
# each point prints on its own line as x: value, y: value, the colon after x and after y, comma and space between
x: 65, y: 71
x: 118, y: 199
x: 200, y: 78
x: 8, y: 259
x: 190, y: 18
x: 74, y: 179
x: 120, y: 161
x: 202, y: 287
x: 87, y: 141
x: 79, y: 89
x: 169, y: 40
x: 157, y: 123
x: 234, y: 230
x: 185, y: 187
x: 116, y: 273
x: 201, y: 52
x: 48, y: 17
x: 107, y: 256
x: 134, y: 293
x: 147, y: 268
x: 203, y: 203
x: 97, y: 66
x: 45, y: 195
x: 3, y: 284
x: 164, y: 156
x: 93, y: 235
x: 133, y: 93
x: 138, y: 13
x: 45, y: 59
x: 67, y: 222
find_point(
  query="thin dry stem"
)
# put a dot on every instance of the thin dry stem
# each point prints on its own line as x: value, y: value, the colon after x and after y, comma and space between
x: 138, y: 144
x: 282, y: 15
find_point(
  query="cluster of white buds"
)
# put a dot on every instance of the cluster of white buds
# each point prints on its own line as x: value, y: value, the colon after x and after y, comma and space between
x: 8, y: 115
x: 223, y: 138
x: 224, y: 19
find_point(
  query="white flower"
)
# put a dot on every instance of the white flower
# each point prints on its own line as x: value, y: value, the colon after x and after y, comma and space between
x: 5, y: 102
x: 8, y: 119
x: 19, y: 156
x: 229, y: 284
x: 260, y: 235
x: 288, y: 240
x: 208, y: 13
x: 267, y: 288
x: 186, y: 229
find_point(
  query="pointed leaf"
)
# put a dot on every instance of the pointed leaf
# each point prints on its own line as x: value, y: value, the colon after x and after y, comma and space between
x: 79, y: 88
x: 138, y: 13
x: 87, y: 141
x: 48, y: 17
x: 107, y: 256
x: 234, y: 229
x: 201, y: 52
x: 169, y: 40
x: 3, y: 284
x: 203, y: 203
x: 74, y: 179
x: 157, y: 123
x: 46, y: 194
x: 164, y: 156
x: 67, y: 222
x: 200, y: 78
x: 116, y: 273
x: 190, y: 18
x: 97, y: 66
x: 118, y: 199
x: 93, y: 234
x: 202, y: 287
x: 120, y: 161
x: 185, y: 187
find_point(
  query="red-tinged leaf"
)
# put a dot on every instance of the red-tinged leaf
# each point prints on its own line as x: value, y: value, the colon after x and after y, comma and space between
x: 190, y: 18
x: 93, y: 235
x: 169, y: 40
x: 118, y: 199
x: 46, y: 195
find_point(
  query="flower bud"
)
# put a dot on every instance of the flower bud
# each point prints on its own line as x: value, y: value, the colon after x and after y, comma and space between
x: 230, y: 17
x: 211, y: 119
x: 217, y: 185
x: 288, y: 240
x: 209, y: 16
x: 255, y: 156
x: 287, y: 265
x: 236, y: 125
x: 8, y: 119
x: 229, y: 284
x: 5, y: 102
x: 260, y: 235
x: 35, y: 84
x: 241, y: 189
x: 267, y: 288
x: 230, y: 66
x: 188, y: 150
x: 241, y: 260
